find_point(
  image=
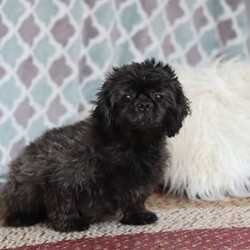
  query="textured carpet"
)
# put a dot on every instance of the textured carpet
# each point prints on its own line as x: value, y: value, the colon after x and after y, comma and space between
x: 182, y: 224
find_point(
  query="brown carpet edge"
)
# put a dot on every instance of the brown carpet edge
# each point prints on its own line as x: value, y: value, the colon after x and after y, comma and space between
x: 219, y: 238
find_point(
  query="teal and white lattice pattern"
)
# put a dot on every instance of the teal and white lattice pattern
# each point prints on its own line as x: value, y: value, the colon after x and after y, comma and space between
x: 39, y: 46
x: 54, y: 53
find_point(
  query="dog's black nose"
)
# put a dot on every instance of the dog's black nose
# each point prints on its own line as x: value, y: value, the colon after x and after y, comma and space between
x: 144, y: 106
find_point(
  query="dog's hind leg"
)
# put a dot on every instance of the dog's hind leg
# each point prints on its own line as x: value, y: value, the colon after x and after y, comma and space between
x: 21, y: 205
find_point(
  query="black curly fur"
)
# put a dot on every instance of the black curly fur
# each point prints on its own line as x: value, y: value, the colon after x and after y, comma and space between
x: 75, y: 175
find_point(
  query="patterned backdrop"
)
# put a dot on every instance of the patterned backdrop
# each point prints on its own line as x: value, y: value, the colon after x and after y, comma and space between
x: 55, y: 53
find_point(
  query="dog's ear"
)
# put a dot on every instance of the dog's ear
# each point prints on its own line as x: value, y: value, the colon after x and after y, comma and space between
x: 103, y: 109
x: 180, y: 110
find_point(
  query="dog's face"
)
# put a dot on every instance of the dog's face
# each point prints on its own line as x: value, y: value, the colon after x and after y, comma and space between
x: 143, y: 96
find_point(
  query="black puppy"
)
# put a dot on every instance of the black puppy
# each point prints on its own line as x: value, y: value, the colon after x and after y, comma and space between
x: 78, y: 174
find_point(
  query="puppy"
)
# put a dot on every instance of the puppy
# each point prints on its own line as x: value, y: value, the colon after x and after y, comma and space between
x: 79, y: 174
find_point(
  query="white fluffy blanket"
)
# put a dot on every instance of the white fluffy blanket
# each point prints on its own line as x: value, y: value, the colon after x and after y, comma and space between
x: 211, y: 155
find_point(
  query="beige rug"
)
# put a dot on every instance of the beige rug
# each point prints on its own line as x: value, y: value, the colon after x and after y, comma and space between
x: 182, y: 224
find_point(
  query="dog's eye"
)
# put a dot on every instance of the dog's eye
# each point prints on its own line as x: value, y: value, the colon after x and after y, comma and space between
x: 127, y: 98
x: 158, y: 97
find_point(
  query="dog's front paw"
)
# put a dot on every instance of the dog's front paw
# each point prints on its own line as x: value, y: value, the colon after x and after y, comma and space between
x: 139, y: 218
x: 70, y: 226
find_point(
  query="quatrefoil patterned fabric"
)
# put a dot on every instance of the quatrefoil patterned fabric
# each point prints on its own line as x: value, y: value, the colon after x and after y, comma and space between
x: 55, y: 53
